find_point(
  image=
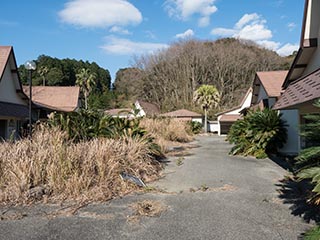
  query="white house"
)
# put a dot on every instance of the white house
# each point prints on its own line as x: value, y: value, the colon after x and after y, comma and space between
x: 302, y: 83
x: 227, y: 118
x: 13, y: 102
x: 267, y: 88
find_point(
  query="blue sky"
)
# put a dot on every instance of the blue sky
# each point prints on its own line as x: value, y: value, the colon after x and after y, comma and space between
x: 111, y: 32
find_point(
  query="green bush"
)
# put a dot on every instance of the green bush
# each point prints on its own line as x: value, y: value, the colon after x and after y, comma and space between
x: 313, y: 234
x: 308, y: 161
x: 258, y: 134
x: 195, y: 127
x: 86, y: 125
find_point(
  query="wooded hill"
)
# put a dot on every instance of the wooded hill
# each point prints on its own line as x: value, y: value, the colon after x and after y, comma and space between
x: 62, y: 72
x: 170, y: 76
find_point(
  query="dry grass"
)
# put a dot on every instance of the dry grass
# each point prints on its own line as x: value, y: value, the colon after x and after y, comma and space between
x: 52, y: 168
x: 147, y: 208
x: 166, y: 131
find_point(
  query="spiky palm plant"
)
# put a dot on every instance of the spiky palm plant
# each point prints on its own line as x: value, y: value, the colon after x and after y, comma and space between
x: 259, y: 133
x: 308, y: 161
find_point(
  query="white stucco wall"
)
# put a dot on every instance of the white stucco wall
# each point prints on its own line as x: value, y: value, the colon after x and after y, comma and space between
x: 312, y: 30
x: 214, y: 126
x: 8, y: 88
x: 292, y: 147
x: 141, y: 111
x: 199, y: 120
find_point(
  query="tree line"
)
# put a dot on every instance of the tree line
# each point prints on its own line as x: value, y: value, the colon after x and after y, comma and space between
x: 70, y: 72
x: 170, y: 77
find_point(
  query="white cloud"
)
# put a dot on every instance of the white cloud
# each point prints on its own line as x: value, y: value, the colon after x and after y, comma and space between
x: 269, y: 44
x: 253, y: 27
x: 291, y: 26
x: 287, y: 49
x: 223, y: 32
x: 247, y: 18
x: 123, y: 46
x: 254, y: 32
x: 183, y: 9
x: 187, y: 34
x: 100, y: 13
x: 120, y: 30
x: 250, y: 26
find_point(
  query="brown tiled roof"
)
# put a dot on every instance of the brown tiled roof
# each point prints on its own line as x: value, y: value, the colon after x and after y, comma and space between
x: 304, y: 90
x: 230, y: 117
x: 13, y: 110
x: 272, y: 81
x: 181, y: 113
x: 4, y: 56
x: 149, y: 108
x: 119, y: 111
x: 63, y: 99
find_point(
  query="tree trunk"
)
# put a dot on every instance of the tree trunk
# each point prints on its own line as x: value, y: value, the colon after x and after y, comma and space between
x: 205, y: 120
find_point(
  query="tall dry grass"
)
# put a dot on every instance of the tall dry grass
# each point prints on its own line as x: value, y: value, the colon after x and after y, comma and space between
x: 61, y: 170
x: 166, y: 130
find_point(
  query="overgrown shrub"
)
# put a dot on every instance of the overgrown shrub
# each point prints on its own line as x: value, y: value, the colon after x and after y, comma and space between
x: 196, y: 127
x: 258, y: 134
x: 166, y: 129
x: 308, y: 161
x: 313, y: 234
x: 86, y: 125
x: 61, y: 169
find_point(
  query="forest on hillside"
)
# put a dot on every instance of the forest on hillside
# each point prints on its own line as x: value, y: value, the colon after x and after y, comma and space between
x: 63, y: 72
x: 170, y: 77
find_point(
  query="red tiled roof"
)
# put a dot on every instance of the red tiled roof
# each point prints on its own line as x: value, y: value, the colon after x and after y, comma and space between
x: 304, y: 90
x: 181, y: 113
x: 119, y: 111
x: 272, y: 81
x: 63, y: 99
x: 230, y: 117
x: 4, y: 56
x: 149, y: 108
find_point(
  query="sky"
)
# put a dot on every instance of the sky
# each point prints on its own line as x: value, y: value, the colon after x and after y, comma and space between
x: 113, y: 32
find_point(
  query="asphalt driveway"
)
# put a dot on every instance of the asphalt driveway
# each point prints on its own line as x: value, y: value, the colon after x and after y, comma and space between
x: 206, y: 195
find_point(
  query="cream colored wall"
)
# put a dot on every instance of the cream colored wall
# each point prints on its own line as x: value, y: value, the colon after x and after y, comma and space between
x: 292, y: 119
x: 141, y: 112
x: 312, y: 30
x: 312, y: 20
x: 8, y: 89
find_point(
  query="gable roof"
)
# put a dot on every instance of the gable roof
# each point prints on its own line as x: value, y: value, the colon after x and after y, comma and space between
x: 4, y: 58
x: 272, y: 81
x: 301, y: 91
x: 308, y: 42
x: 181, y: 113
x: 149, y: 108
x: 7, y: 57
x: 64, y: 99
